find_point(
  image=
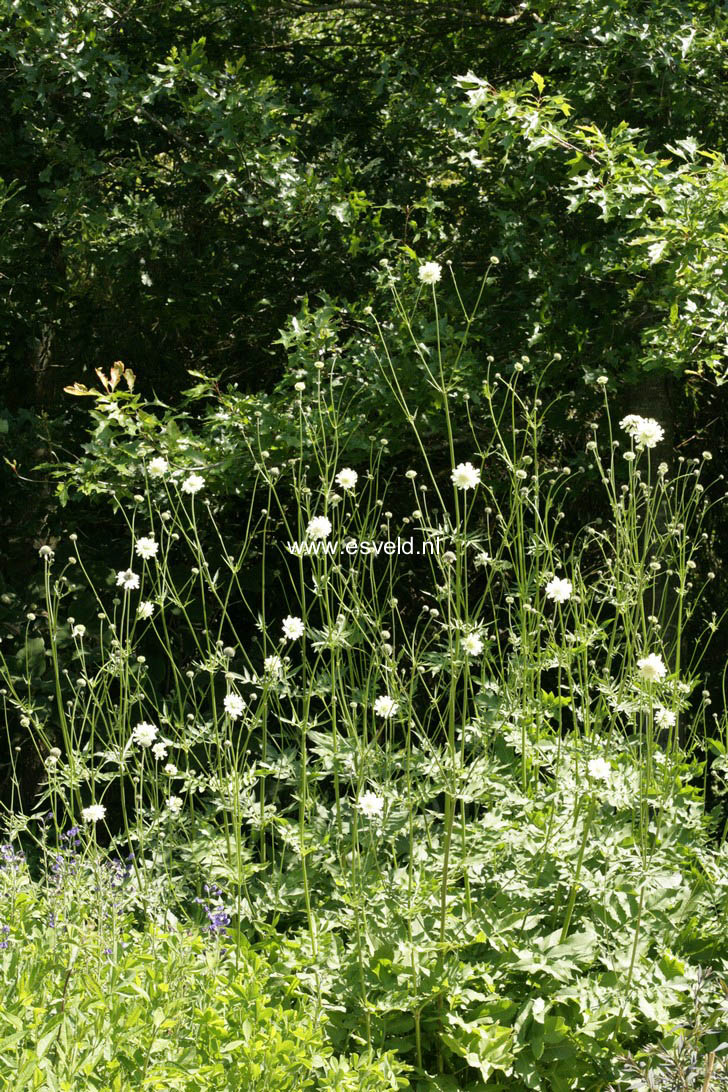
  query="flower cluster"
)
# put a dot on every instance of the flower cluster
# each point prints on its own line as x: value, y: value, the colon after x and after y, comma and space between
x: 218, y: 916
x: 644, y: 431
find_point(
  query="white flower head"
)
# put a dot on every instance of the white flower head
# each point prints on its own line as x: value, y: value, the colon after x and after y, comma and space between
x: 94, y: 813
x: 472, y: 644
x: 293, y: 628
x: 649, y: 433
x: 386, y: 707
x: 127, y: 579
x: 145, y: 609
x: 159, y: 750
x: 645, y: 431
x: 233, y: 705
x: 430, y: 272
x: 174, y: 805
x: 319, y: 527
x: 146, y: 547
x: 465, y: 476
x: 665, y: 718
x: 158, y: 466
x: 193, y: 484
x: 599, y: 769
x: 559, y: 589
x: 170, y: 769
x: 273, y: 666
x: 370, y: 805
x: 347, y: 478
x: 144, y: 734
x: 78, y: 631
x: 652, y: 668
x: 46, y: 553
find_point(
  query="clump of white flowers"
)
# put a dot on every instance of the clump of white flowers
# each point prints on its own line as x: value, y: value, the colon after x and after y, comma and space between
x: 559, y: 589
x: 430, y: 272
x: 174, y: 805
x: 347, y: 478
x: 319, y: 527
x: 644, y: 431
x: 386, y: 707
x: 145, y: 609
x: 144, y: 734
x: 293, y: 628
x: 465, y: 476
x: 233, y: 705
x: 652, y: 668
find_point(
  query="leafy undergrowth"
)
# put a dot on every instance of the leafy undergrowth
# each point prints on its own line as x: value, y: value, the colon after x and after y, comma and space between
x: 110, y: 1005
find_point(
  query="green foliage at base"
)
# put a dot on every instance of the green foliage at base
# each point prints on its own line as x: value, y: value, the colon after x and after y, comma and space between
x: 110, y: 1006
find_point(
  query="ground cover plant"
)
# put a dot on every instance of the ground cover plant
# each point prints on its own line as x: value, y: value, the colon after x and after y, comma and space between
x: 405, y: 783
